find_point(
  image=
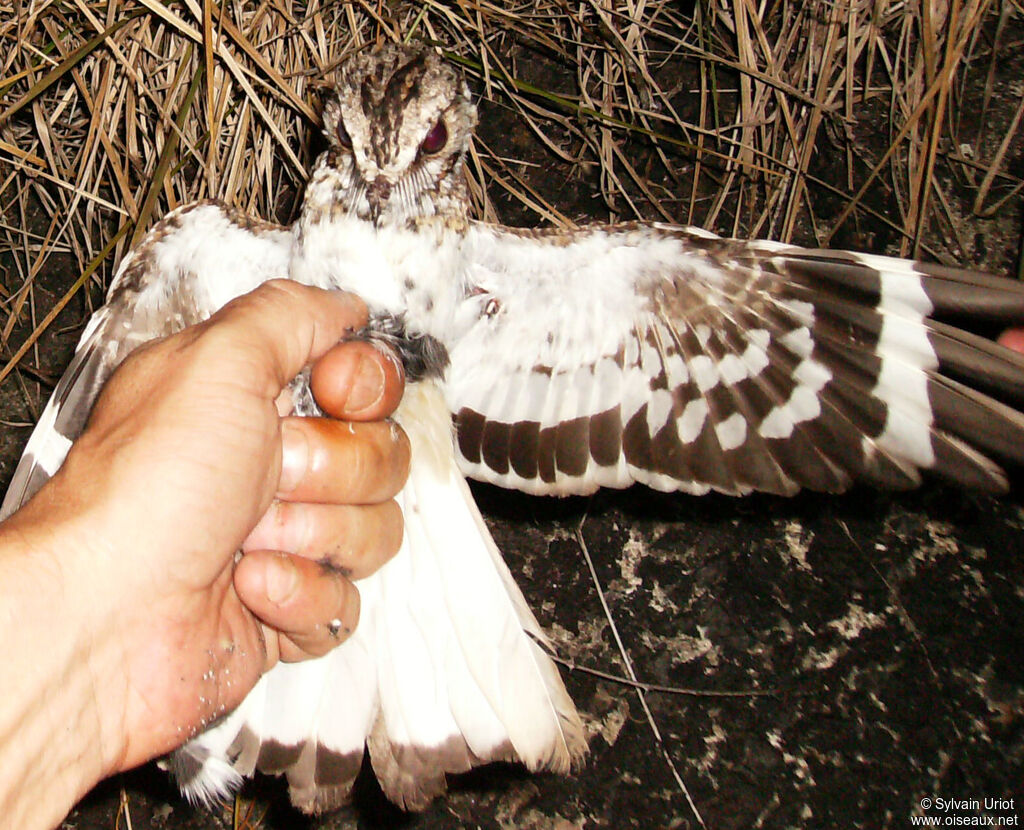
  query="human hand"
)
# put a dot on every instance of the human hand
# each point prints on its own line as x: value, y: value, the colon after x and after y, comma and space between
x: 186, y: 460
x: 1013, y: 338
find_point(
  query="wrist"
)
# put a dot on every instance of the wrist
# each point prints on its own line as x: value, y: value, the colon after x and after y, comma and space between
x: 59, y: 731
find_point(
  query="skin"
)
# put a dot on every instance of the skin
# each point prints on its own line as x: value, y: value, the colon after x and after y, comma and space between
x: 125, y: 621
x: 1013, y: 339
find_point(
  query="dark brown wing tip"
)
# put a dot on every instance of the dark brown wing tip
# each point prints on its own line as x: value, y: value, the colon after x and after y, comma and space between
x: 413, y: 776
x: 323, y: 778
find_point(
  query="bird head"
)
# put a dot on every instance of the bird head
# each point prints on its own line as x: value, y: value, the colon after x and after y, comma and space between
x: 398, y: 122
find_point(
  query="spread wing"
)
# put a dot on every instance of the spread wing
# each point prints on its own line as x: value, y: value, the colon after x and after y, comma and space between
x: 674, y: 358
x: 191, y: 263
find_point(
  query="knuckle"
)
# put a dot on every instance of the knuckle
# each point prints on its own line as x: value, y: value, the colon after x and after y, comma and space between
x: 280, y: 289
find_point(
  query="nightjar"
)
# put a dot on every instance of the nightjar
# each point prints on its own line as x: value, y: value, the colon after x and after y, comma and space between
x: 554, y: 362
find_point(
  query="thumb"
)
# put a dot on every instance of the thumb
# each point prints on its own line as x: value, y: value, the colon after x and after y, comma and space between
x: 289, y: 325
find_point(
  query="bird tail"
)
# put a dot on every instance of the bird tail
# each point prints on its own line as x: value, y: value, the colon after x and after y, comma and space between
x: 468, y: 679
x: 447, y: 669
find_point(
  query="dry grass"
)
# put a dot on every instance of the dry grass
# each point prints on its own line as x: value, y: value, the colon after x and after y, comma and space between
x: 737, y: 117
x: 869, y: 120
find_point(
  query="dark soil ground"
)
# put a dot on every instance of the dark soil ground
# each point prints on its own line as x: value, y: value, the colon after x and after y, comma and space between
x: 850, y: 660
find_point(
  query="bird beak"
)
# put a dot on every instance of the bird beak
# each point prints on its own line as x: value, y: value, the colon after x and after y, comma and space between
x: 377, y: 195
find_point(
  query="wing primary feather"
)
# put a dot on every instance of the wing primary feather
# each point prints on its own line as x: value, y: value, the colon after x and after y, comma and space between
x: 978, y: 362
x: 65, y: 414
x: 855, y: 386
x: 950, y: 291
x: 976, y: 419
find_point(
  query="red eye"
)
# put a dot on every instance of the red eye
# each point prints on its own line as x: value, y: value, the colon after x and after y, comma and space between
x: 434, y: 141
x: 344, y: 139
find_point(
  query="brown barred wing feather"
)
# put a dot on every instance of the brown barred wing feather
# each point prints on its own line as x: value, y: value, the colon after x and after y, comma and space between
x: 153, y: 294
x: 669, y: 357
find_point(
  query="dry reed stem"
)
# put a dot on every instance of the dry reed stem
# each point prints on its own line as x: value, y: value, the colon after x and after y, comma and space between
x: 727, y: 117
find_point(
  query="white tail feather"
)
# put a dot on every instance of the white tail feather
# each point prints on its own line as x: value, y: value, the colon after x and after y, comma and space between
x: 467, y: 670
x: 445, y: 670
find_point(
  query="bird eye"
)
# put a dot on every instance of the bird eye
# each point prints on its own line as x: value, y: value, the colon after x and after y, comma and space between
x: 344, y: 139
x: 434, y: 141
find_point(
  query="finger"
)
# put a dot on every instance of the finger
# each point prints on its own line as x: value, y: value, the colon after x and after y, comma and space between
x: 288, y: 324
x: 285, y: 403
x: 356, y: 380
x: 331, y: 462
x: 354, y: 540
x: 313, y: 607
x: 1013, y: 339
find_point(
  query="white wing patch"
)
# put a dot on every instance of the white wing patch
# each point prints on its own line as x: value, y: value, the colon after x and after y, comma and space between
x: 46, y: 445
x: 902, y: 386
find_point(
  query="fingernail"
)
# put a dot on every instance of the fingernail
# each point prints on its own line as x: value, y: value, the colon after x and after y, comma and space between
x: 282, y: 580
x: 367, y: 386
x: 294, y: 457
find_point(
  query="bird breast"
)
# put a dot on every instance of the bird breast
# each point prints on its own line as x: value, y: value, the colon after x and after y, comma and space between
x: 412, y: 274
